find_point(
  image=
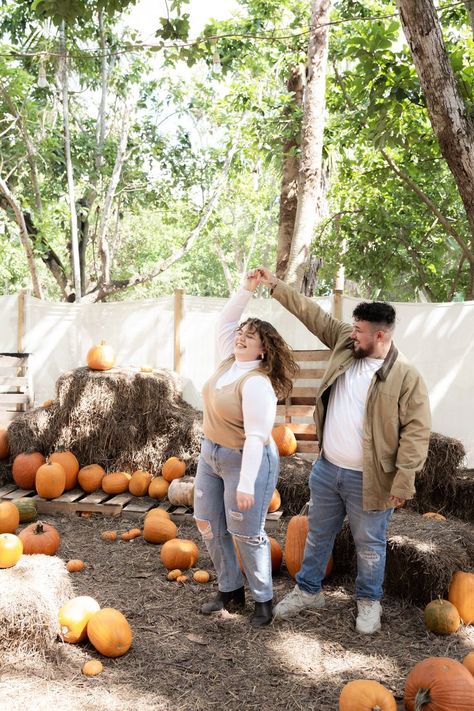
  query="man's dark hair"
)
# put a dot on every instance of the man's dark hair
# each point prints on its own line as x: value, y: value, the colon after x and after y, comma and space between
x: 375, y: 312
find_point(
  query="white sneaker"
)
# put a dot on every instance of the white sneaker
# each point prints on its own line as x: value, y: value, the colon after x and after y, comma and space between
x: 368, y: 618
x: 296, y: 601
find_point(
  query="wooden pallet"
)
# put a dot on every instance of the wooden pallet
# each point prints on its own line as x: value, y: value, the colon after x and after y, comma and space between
x: 15, y: 396
x: 77, y: 501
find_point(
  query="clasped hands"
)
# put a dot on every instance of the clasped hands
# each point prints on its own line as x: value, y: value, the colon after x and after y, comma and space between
x: 259, y: 275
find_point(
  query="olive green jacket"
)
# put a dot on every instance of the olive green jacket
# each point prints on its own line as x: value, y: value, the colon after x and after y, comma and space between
x: 397, y: 418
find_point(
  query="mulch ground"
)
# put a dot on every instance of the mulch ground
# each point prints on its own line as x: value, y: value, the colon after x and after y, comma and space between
x: 182, y: 661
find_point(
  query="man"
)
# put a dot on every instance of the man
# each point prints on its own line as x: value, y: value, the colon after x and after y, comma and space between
x: 373, y: 422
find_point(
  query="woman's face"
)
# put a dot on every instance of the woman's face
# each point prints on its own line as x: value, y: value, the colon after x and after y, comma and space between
x: 247, y: 343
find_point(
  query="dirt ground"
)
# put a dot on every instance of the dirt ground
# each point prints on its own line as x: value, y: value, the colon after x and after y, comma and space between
x: 182, y: 660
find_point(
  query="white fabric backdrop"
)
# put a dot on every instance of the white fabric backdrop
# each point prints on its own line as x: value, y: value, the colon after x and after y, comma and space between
x: 438, y: 338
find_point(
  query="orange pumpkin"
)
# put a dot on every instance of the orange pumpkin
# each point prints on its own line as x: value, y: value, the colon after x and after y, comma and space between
x: 295, y: 541
x: 435, y: 515
x: 24, y: 469
x: 116, y: 482
x: 173, y: 468
x: 201, y: 576
x: 139, y: 483
x: 9, y: 517
x: 131, y: 534
x: 40, y: 537
x: 275, y: 502
x: 11, y: 549
x: 74, y: 616
x: 75, y: 565
x: 179, y: 553
x: 365, y: 695
x: 174, y: 574
x: 285, y: 440
x: 70, y: 465
x: 441, y: 617
x: 158, y: 488
x: 92, y: 667
x: 109, y: 535
x: 101, y: 357
x: 47, y: 403
x: 468, y: 662
x: 108, y: 630
x: 4, y: 444
x: 90, y: 477
x: 440, y: 684
x: 461, y: 594
x: 158, y: 529
x: 50, y: 480
x: 157, y: 511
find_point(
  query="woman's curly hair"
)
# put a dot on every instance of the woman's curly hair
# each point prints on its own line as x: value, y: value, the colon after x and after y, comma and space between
x: 278, y: 361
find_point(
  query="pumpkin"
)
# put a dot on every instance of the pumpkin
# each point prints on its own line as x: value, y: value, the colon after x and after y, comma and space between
x: 70, y: 465
x: 26, y: 509
x: 139, y: 483
x: 24, y: 469
x: 110, y: 633
x: 9, y: 517
x: 173, y: 574
x: 74, y: 616
x: 179, y: 553
x: 40, y: 537
x: 157, y: 529
x: 146, y: 369
x: 182, y: 579
x: 101, y: 357
x: 115, y: 482
x: 276, y: 554
x: 468, y: 662
x: 441, y: 617
x: 275, y: 502
x: 47, y: 403
x: 461, y: 594
x: 285, y: 440
x: 92, y: 667
x: 181, y: 492
x: 366, y: 695
x: 173, y: 468
x: 4, y: 444
x: 90, y: 478
x: 11, y: 549
x: 157, y: 511
x: 201, y: 576
x: 131, y: 534
x: 109, y: 535
x: 158, y: 488
x: 75, y: 565
x: 295, y: 541
x: 433, y: 514
x: 440, y: 683
x: 50, y: 480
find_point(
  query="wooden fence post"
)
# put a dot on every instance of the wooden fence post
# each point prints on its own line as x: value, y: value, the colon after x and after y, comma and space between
x: 178, y: 317
x: 20, y: 331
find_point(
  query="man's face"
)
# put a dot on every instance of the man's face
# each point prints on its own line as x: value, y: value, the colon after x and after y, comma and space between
x: 364, y: 339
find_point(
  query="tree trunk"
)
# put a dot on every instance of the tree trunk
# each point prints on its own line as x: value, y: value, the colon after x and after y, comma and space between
x: 309, y: 178
x: 289, y: 183
x: 470, y: 13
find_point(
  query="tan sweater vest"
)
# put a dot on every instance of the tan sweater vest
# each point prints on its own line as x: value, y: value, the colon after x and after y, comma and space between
x: 223, y: 420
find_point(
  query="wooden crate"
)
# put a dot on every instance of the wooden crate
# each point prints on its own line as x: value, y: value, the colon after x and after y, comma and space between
x: 15, y: 396
x: 297, y: 411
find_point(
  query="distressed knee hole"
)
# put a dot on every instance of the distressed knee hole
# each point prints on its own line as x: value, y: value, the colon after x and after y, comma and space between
x: 369, y: 556
x: 205, y: 529
x: 236, y: 515
x: 198, y: 493
x: 251, y: 540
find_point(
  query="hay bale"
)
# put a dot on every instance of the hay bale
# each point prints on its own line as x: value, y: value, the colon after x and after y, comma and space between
x: 120, y: 419
x: 31, y: 594
x: 422, y: 555
x: 293, y: 483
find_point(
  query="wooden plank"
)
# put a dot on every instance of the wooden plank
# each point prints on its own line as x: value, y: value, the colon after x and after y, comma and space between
x: 310, y: 373
x: 72, y: 495
x: 10, y: 361
x: 17, y: 398
x: 13, y: 381
x: 307, y: 392
x: 308, y: 447
x: 6, y: 489
x: 295, y: 410
x: 97, y: 497
x: 321, y: 354
x: 19, y: 494
x: 118, y: 499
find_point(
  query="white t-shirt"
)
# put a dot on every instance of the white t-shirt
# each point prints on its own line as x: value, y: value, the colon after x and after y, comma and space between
x: 343, y: 427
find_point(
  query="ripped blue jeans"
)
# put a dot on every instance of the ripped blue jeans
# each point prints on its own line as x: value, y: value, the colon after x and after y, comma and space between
x: 221, y: 523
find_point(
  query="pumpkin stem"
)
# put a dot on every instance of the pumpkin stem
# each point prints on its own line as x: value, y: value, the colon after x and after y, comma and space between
x: 422, y: 698
x: 39, y: 528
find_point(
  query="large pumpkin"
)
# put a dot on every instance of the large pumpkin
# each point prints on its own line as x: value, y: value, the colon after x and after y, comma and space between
x: 295, y: 541
x: 285, y: 440
x: 275, y: 502
x: 24, y: 469
x: 116, y: 482
x: 9, y: 517
x: 74, y: 616
x: 468, y: 662
x: 461, y: 594
x: 90, y: 477
x: 158, y: 488
x: 179, y: 553
x: 157, y: 529
x: 50, y: 480
x: 4, y: 444
x: 40, y: 537
x: 181, y: 492
x: 173, y: 468
x: 440, y: 683
x: 441, y: 617
x: 366, y: 695
x: 101, y: 357
x: 70, y: 465
x: 139, y: 483
x: 158, y: 512
x: 11, y: 549
x: 108, y: 630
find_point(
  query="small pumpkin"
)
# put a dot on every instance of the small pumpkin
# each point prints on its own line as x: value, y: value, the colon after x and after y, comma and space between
x: 179, y: 553
x: 296, y: 534
x: 90, y: 477
x: 158, y: 488
x: 285, y: 440
x: 157, y: 529
x: 75, y: 565
x: 25, y: 466
x: 146, y: 369
x: 173, y: 468
x: 40, y: 537
x: 157, y: 511
x: 92, y: 667
x: 439, y: 683
x: 181, y: 492
x: 74, y: 616
x: 109, y: 535
x: 173, y: 574
x: 4, y: 444
x: 434, y: 515
x: 116, y: 482
x: 468, y: 662
x: 101, y: 357
x: 441, y: 617
x: 26, y: 509
x: 139, y: 483
x: 182, y: 579
x: 47, y: 403
x: 9, y: 517
x: 110, y: 633
x: 275, y: 502
x: 11, y: 550
x: 366, y: 695
x: 461, y: 594
x: 69, y: 462
x: 201, y: 576
x: 131, y: 534
x: 50, y: 480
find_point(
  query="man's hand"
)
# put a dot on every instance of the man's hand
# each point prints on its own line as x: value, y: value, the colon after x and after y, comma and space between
x: 397, y: 501
x: 267, y: 277
x: 251, y: 280
x: 244, y: 501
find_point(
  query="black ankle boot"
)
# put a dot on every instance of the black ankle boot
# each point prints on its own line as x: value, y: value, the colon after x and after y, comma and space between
x: 223, y: 600
x: 263, y: 614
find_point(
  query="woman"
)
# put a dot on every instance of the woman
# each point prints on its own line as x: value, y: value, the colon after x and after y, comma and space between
x: 238, y: 465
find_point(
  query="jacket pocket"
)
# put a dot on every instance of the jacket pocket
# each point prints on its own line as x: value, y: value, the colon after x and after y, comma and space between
x: 388, y: 465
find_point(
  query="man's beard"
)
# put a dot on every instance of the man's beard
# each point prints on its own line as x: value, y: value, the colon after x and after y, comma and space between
x: 360, y: 353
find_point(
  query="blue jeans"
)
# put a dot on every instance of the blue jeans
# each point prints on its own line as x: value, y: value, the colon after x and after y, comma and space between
x: 336, y: 492
x: 221, y: 523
